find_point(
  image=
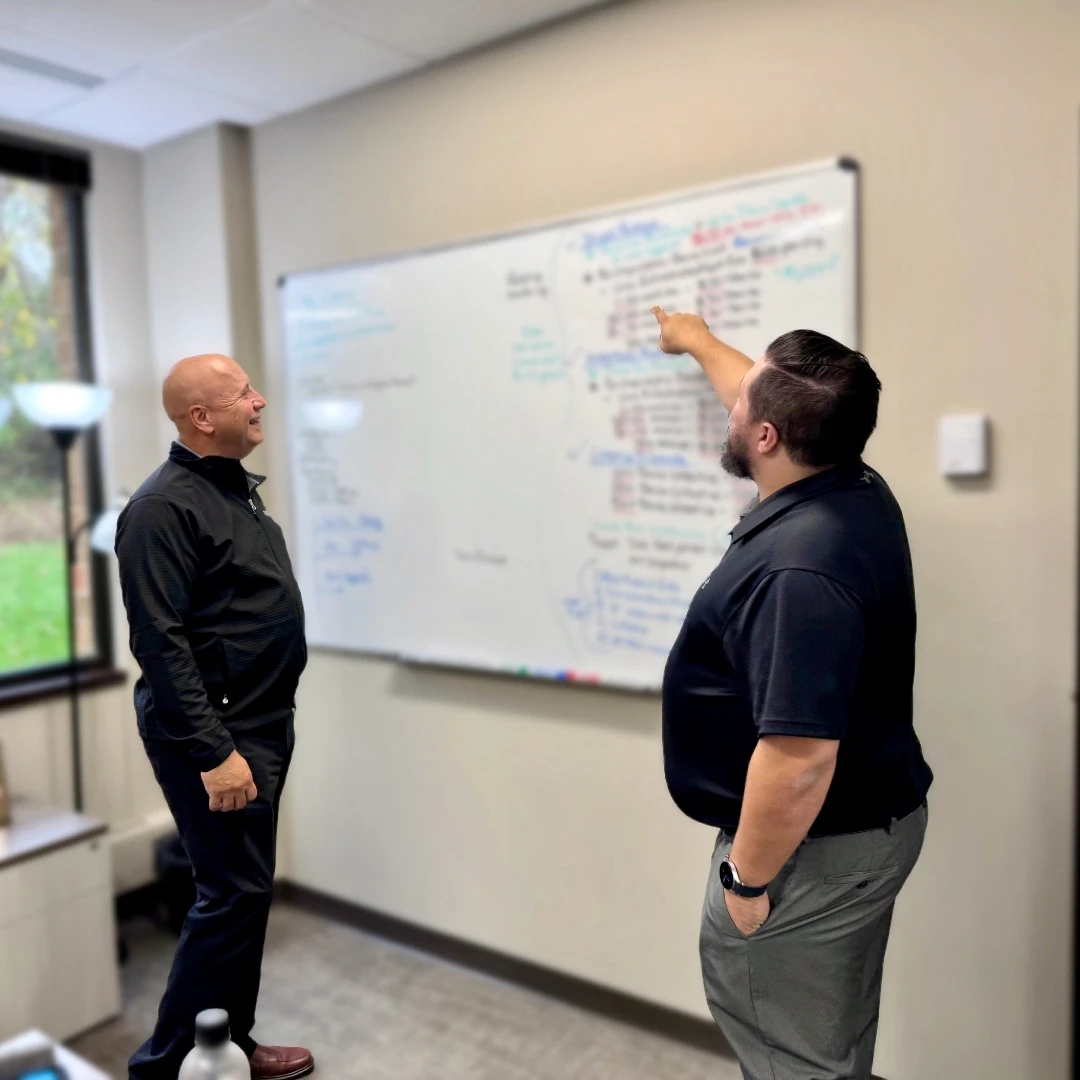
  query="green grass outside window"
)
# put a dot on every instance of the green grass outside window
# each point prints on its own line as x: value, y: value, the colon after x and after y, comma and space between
x: 33, y: 612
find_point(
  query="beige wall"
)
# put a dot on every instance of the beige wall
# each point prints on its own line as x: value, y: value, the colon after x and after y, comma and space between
x: 200, y: 242
x: 187, y: 253
x: 533, y: 819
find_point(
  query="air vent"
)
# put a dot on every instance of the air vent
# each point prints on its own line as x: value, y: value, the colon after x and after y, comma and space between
x: 46, y: 70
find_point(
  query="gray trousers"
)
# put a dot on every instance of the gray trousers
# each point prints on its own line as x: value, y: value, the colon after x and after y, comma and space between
x: 798, y: 1000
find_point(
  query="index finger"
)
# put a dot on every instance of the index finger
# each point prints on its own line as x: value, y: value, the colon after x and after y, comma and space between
x: 661, y: 315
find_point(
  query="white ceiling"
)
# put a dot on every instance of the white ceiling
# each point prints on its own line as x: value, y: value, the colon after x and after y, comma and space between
x: 135, y: 72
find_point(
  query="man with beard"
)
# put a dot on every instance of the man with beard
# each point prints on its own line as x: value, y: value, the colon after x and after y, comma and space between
x: 788, y: 712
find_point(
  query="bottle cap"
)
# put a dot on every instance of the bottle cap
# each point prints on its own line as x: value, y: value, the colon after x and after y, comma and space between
x: 212, y: 1027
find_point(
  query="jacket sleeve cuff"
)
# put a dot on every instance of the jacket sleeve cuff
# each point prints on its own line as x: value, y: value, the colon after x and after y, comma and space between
x: 210, y: 757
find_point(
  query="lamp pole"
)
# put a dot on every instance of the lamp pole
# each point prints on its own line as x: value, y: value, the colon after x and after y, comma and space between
x: 65, y: 409
x: 64, y: 439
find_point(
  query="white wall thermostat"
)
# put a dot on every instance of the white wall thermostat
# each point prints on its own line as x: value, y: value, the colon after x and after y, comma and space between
x: 963, y: 445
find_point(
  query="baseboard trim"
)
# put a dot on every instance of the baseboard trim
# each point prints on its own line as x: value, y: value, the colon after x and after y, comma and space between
x: 612, y: 1004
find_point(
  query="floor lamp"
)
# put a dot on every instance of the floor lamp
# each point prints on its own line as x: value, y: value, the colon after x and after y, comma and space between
x: 66, y: 410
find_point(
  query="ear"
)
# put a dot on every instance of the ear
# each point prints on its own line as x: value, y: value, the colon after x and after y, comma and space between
x: 768, y: 438
x: 200, y: 419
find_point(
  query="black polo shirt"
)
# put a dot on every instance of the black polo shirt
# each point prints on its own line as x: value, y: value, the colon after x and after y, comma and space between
x: 807, y: 627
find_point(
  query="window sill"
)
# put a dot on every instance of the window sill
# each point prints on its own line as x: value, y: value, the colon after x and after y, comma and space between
x: 57, y: 684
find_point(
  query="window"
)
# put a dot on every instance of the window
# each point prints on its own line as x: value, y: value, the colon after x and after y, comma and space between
x: 44, y: 335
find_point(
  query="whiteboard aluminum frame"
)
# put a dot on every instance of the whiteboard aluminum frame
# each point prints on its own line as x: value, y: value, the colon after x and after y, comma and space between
x: 753, y: 180
x: 842, y: 162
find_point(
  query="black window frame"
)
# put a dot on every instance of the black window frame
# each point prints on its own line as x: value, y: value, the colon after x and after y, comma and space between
x: 69, y: 170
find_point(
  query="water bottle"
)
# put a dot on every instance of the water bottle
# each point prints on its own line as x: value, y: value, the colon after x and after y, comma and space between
x: 214, y: 1056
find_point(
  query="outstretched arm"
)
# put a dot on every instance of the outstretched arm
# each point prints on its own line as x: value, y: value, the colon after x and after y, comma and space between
x: 724, y: 366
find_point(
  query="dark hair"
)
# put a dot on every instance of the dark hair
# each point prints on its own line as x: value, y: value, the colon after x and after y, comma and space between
x: 821, y: 397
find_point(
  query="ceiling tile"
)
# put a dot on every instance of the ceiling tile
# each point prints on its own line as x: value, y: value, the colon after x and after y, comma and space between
x: 25, y: 96
x: 132, y: 29
x: 286, y: 57
x: 78, y: 57
x: 435, y: 28
x: 140, y: 110
x: 175, y: 65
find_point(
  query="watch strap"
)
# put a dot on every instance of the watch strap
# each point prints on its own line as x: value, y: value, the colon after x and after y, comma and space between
x: 749, y: 892
x: 736, y: 885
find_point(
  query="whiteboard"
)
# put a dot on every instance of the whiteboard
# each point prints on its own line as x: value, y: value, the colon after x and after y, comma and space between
x: 494, y: 467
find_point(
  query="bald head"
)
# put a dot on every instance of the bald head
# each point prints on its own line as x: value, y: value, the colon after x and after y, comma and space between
x: 196, y: 380
x: 213, y: 405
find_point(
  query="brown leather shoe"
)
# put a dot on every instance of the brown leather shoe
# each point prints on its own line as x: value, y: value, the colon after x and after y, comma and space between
x: 281, y: 1062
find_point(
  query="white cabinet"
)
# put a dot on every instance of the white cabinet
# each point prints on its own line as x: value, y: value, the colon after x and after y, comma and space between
x: 58, y: 967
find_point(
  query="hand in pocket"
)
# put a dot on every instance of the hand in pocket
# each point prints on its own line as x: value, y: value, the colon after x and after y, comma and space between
x: 748, y: 915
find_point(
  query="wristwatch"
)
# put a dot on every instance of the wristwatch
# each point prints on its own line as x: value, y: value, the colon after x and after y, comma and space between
x: 729, y: 878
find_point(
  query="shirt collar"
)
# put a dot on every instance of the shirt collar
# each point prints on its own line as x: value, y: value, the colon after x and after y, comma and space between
x: 227, y: 472
x: 759, y: 514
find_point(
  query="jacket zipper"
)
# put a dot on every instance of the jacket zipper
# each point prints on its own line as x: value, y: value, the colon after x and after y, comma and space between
x: 251, y: 503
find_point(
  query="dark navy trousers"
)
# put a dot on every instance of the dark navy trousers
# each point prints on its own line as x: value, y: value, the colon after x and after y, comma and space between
x: 218, y: 959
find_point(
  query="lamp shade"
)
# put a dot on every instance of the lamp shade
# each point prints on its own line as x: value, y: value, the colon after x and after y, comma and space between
x: 330, y: 415
x: 62, y: 406
x: 103, y: 531
x: 5, y: 410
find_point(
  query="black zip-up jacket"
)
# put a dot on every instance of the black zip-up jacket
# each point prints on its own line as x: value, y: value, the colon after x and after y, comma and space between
x: 216, y: 619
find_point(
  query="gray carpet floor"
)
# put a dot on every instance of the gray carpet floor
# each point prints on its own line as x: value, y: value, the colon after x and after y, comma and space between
x: 371, y: 1010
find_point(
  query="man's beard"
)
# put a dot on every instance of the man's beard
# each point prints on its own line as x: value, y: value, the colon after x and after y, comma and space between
x: 733, y: 459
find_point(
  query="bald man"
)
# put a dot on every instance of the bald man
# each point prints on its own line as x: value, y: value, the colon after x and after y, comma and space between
x: 217, y: 627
